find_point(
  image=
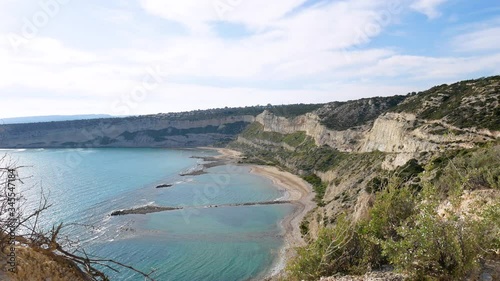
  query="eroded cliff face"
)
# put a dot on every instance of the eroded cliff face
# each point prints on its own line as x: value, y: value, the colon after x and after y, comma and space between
x: 126, y: 132
x: 346, y: 140
x: 386, y: 143
x: 399, y: 133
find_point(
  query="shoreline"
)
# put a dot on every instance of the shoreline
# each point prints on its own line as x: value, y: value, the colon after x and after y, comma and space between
x: 297, y: 191
x: 300, y: 194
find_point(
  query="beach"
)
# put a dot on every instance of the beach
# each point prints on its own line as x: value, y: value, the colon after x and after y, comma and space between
x: 298, y: 192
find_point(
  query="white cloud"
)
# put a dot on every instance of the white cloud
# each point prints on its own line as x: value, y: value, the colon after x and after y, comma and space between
x: 195, y: 13
x: 428, y: 7
x: 314, y: 54
x: 479, y: 40
x: 309, y: 42
x: 428, y: 68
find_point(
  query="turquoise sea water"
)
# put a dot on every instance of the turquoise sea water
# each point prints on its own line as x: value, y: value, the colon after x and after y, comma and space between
x: 197, y: 243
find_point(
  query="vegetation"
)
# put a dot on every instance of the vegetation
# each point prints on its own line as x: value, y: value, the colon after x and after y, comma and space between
x: 344, y: 115
x: 335, y: 250
x: 472, y: 103
x: 160, y: 135
x: 293, y: 110
x: 318, y: 186
x: 411, y: 229
x: 301, y: 153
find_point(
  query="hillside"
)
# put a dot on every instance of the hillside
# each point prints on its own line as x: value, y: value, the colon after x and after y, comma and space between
x: 471, y: 103
x: 441, y: 141
x: 184, y: 129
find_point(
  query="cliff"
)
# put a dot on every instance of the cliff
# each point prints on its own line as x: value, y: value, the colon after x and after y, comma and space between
x: 145, y: 131
x: 379, y: 167
x: 347, y: 145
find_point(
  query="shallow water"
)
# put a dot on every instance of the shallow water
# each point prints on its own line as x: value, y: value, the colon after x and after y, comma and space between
x: 226, y: 243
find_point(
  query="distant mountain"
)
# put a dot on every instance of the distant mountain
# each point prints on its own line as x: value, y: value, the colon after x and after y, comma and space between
x: 52, y: 118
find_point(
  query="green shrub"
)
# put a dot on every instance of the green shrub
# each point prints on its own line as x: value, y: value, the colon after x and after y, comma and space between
x: 391, y: 208
x: 336, y: 250
x: 304, y: 228
x: 430, y: 247
x: 468, y: 169
x: 318, y: 186
x: 376, y: 184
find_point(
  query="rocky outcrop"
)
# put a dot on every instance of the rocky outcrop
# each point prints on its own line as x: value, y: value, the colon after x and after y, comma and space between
x: 400, y: 133
x: 404, y: 133
x: 311, y: 125
x: 392, y: 133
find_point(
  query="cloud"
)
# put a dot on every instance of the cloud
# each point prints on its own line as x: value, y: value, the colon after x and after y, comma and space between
x: 308, y: 42
x: 196, y: 13
x: 285, y: 53
x: 428, y: 7
x: 429, y: 68
x: 480, y: 40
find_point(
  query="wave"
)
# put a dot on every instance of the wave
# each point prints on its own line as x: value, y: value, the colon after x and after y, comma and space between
x: 188, y: 180
x: 284, y: 197
x: 14, y: 149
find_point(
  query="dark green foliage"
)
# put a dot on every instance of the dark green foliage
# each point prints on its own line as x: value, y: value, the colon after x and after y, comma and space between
x: 318, y: 186
x: 376, y: 184
x: 431, y: 247
x: 293, y: 110
x: 470, y: 169
x: 306, y: 156
x: 161, y: 135
x: 321, y: 158
x: 295, y: 139
x: 410, y: 170
x: 344, y: 115
x: 304, y: 228
x: 404, y: 229
x: 335, y: 251
x: 437, y: 249
x: 392, y: 207
x: 256, y: 131
x: 472, y: 103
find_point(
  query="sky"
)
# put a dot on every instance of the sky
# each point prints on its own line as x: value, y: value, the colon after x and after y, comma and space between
x: 131, y: 57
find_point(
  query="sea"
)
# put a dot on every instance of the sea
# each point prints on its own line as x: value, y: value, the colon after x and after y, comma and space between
x: 199, y: 242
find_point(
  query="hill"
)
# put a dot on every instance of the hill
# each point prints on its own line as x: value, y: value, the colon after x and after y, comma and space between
x: 380, y: 166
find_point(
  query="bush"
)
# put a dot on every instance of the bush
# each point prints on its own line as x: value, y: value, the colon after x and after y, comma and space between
x: 376, y: 184
x: 469, y: 170
x: 336, y: 250
x: 318, y: 186
x: 429, y: 247
x: 391, y: 208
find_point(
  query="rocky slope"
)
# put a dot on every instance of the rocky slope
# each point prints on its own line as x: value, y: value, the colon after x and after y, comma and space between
x: 350, y: 151
x: 348, y: 144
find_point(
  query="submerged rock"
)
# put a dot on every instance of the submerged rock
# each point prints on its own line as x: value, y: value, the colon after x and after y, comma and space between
x: 164, y: 185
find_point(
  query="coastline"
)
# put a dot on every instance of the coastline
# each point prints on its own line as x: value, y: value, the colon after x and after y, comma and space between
x: 298, y: 192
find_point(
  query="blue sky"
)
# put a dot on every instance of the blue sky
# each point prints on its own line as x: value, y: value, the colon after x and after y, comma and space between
x: 129, y: 57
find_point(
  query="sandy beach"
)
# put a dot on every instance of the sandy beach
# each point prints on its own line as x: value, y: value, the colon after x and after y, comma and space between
x: 301, y: 195
x: 298, y: 191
